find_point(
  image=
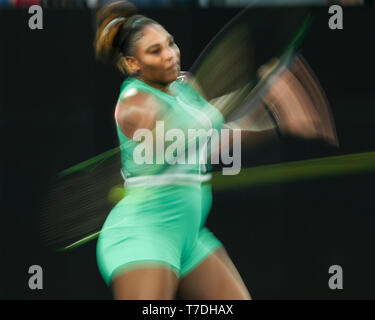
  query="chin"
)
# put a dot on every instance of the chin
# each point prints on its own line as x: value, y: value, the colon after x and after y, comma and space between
x: 171, y: 78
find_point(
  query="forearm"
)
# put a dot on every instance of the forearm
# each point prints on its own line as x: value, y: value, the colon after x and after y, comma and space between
x: 255, y: 139
x: 250, y: 138
x: 241, y: 147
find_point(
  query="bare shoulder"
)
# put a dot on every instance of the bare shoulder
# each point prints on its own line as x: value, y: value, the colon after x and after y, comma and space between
x: 136, y: 110
x: 136, y: 98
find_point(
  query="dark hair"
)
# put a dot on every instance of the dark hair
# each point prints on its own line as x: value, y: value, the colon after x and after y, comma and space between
x: 116, y: 34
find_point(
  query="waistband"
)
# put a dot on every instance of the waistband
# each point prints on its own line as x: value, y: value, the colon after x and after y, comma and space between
x: 166, y: 179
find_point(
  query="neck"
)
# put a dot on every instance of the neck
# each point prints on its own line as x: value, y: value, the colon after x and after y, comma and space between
x: 157, y: 85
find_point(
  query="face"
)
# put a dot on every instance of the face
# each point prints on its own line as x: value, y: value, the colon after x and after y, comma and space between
x: 157, y: 56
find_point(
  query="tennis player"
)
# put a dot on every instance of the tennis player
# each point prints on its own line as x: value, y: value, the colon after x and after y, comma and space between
x: 154, y: 243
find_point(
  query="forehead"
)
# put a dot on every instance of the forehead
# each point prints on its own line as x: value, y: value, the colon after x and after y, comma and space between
x: 153, y: 34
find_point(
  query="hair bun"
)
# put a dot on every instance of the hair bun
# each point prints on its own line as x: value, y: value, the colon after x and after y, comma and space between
x: 108, y: 20
x: 114, y: 10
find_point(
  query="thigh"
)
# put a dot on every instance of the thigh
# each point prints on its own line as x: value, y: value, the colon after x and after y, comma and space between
x: 215, y: 278
x: 145, y: 284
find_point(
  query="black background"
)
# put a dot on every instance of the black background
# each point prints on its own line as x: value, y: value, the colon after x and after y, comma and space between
x: 57, y: 107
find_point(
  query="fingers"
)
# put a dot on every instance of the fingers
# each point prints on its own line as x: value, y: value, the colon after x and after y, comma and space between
x: 320, y: 103
x: 292, y: 110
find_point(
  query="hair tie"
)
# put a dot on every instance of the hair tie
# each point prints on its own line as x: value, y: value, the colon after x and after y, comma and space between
x: 136, y: 21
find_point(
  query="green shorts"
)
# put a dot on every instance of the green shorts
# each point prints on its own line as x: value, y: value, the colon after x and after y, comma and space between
x: 157, y: 226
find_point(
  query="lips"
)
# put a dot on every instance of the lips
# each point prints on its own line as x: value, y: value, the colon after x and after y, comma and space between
x: 173, y: 66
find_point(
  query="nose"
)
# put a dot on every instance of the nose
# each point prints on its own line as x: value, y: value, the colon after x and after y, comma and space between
x: 170, y: 54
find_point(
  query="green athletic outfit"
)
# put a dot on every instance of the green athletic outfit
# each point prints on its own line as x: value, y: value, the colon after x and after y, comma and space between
x: 161, y: 220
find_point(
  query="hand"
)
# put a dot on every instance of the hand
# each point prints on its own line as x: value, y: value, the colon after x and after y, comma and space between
x: 295, y: 112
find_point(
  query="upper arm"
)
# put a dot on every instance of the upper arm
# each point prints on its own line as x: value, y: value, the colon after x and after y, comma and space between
x: 137, y: 111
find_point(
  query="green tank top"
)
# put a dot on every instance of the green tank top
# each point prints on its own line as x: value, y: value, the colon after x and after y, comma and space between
x: 186, y: 110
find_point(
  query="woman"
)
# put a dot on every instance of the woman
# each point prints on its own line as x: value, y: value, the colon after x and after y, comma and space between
x: 154, y: 243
